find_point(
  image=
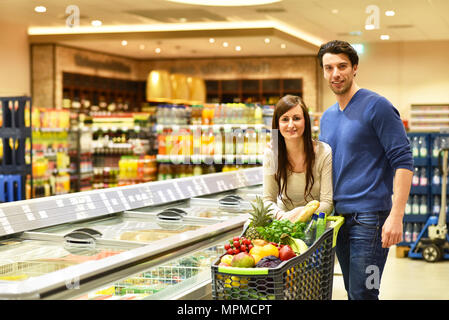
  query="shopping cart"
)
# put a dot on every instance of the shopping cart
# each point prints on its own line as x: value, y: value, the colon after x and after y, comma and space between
x: 308, y: 276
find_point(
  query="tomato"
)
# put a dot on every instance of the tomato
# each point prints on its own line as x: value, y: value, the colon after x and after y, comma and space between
x: 227, y: 246
x: 236, y: 239
x: 236, y: 251
x: 243, y: 247
x: 230, y: 251
x: 236, y: 244
x: 247, y: 242
x: 250, y: 247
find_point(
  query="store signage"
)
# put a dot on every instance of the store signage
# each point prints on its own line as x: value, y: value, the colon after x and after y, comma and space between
x: 83, y: 61
x: 214, y: 68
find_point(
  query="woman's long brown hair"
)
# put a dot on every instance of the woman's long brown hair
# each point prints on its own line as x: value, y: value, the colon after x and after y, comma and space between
x: 285, y: 104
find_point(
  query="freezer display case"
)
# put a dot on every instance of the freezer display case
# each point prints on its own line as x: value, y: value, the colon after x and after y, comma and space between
x: 130, y: 242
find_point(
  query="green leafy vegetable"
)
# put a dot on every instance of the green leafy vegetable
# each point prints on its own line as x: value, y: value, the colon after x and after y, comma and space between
x: 274, y: 231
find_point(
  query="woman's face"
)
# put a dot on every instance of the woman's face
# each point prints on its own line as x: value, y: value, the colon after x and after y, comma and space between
x: 292, y: 123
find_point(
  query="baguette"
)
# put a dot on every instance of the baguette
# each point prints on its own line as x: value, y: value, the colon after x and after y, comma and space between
x: 308, y: 211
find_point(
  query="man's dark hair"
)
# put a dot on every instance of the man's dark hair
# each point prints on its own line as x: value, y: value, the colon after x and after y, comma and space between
x: 336, y: 47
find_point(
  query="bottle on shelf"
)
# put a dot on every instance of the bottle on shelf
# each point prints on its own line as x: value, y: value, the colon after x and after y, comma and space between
x: 408, y: 206
x: 436, y: 179
x: 423, y: 177
x: 415, y: 207
x: 423, y: 205
x: 422, y: 147
x: 415, y: 147
x: 415, y: 179
x: 416, y: 231
x: 436, y: 147
x: 436, y: 205
x: 408, y: 232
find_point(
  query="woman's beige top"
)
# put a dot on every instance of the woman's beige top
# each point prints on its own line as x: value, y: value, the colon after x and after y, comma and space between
x: 296, y: 183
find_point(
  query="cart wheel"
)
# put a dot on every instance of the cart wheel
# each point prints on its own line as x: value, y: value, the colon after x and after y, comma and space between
x: 432, y: 253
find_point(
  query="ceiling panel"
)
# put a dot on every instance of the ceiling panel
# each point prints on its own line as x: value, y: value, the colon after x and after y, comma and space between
x: 323, y: 19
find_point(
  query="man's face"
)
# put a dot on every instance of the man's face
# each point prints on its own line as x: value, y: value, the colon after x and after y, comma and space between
x: 339, y: 72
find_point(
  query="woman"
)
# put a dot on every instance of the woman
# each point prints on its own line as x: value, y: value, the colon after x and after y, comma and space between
x: 297, y: 169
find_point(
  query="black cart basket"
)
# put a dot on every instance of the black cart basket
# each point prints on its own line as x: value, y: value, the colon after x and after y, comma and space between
x: 308, y: 276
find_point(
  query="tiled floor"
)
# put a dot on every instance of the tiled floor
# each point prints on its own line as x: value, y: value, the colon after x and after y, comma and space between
x: 405, y: 279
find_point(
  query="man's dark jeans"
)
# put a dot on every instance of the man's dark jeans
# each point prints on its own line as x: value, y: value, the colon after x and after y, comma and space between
x: 360, y: 253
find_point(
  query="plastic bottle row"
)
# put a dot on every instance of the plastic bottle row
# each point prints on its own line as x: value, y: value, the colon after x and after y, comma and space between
x: 230, y: 113
x: 420, y: 177
x: 411, y: 231
x: 212, y: 142
x: 419, y: 146
x: 168, y: 171
x: 417, y: 204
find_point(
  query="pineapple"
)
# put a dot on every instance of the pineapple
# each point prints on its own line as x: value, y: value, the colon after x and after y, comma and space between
x: 260, y: 217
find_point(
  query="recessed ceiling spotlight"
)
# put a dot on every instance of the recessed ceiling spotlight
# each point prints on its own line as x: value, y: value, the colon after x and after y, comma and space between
x: 283, y: 46
x: 157, y: 50
x: 142, y: 47
x: 267, y: 40
x: 355, y: 33
x: 238, y: 48
x: 96, y: 23
x: 40, y: 9
x: 369, y: 27
x: 225, y: 44
x: 124, y: 43
x: 211, y: 40
x: 182, y: 20
x: 334, y: 11
x: 390, y: 13
x: 384, y: 37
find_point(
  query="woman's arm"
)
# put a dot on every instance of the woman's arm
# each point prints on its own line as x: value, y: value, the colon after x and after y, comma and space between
x: 326, y: 191
x: 270, y: 187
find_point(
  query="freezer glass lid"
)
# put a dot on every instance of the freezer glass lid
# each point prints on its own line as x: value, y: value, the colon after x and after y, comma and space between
x: 22, y: 259
x: 203, y: 208
x: 130, y: 228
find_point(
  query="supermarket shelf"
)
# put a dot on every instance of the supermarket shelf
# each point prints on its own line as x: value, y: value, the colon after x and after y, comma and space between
x: 429, y: 112
x: 420, y: 218
x: 175, y: 127
x: 208, y: 159
x: 427, y: 128
x: 423, y: 120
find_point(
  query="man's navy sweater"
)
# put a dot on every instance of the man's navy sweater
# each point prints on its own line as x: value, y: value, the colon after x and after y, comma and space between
x: 369, y: 143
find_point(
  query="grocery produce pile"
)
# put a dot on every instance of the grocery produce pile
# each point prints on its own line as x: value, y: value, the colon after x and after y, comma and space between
x: 268, y: 242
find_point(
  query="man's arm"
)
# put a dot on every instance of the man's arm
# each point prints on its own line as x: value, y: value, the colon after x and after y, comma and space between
x: 392, y: 229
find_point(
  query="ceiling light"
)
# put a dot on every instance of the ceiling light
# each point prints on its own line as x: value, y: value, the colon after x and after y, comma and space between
x: 225, y: 44
x: 142, y: 47
x: 358, y: 47
x: 369, y: 27
x: 182, y: 20
x: 355, y: 33
x: 96, y: 23
x: 238, y: 48
x: 267, y: 40
x: 227, y: 3
x: 334, y: 11
x: 211, y: 40
x: 384, y: 37
x: 157, y: 50
x: 283, y: 46
x: 389, y: 13
x: 124, y: 42
x: 40, y: 9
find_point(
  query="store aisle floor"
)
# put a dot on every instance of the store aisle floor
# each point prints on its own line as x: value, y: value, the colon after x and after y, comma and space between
x: 405, y: 279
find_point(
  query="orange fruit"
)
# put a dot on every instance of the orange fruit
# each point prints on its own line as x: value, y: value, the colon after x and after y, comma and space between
x: 269, y: 250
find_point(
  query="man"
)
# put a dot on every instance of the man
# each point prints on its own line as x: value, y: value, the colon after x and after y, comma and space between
x: 371, y: 160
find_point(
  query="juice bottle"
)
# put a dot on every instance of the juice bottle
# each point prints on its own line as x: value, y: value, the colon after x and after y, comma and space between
x: 162, y: 172
x: 197, y: 170
x: 258, y: 115
x: 320, y: 224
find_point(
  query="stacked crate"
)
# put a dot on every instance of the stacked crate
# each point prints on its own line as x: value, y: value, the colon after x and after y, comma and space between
x: 15, y: 140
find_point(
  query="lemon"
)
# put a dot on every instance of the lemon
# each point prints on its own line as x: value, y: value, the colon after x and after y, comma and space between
x: 269, y: 250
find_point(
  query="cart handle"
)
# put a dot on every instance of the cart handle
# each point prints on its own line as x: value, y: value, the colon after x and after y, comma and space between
x: 336, y: 226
